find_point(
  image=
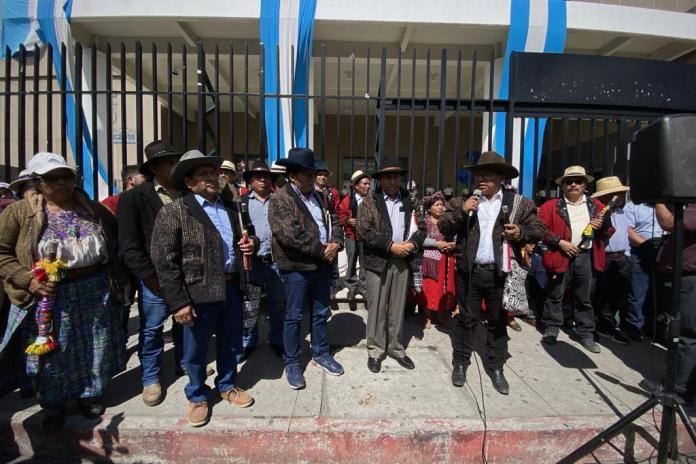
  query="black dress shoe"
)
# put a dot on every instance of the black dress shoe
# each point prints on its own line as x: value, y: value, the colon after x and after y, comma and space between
x: 500, y: 383
x: 374, y: 364
x: 277, y: 349
x: 459, y: 375
x: 405, y: 361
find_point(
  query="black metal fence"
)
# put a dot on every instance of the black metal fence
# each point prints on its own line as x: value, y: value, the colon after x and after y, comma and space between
x: 433, y: 112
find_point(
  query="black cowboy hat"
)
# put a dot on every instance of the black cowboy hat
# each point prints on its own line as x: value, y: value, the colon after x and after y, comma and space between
x: 389, y: 166
x: 190, y: 160
x: 492, y: 161
x: 322, y: 166
x: 157, y: 150
x: 299, y: 158
x: 259, y: 166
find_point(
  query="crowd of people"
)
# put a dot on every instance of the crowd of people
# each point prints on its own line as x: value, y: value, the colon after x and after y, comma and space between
x: 213, y: 245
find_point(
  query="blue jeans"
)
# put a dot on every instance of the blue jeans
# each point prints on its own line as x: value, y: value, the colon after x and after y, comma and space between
x: 153, y: 314
x: 642, y: 277
x: 315, y: 287
x: 224, y: 319
x: 268, y: 275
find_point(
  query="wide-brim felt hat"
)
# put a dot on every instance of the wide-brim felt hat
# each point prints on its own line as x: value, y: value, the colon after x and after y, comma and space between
x: 299, y: 158
x: 157, y: 150
x: 259, y: 166
x: 574, y: 171
x: 322, y: 166
x: 190, y: 160
x: 492, y: 161
x: 389, y: 166
x: 609, y: 185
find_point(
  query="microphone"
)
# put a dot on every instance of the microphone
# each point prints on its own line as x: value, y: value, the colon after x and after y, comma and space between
x: 477, y: 193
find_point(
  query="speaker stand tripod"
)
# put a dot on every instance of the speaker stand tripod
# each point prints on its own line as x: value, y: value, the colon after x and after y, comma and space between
x: 671, y: 404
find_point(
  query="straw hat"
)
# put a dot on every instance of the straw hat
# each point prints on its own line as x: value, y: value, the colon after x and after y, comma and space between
x: 229, y: 165
x: 607, y: 185
x: 358, y: 176
x: 574, y: 171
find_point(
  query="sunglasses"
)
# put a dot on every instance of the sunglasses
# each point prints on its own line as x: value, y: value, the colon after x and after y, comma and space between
x: 577, y: 181
x: 53, y: 178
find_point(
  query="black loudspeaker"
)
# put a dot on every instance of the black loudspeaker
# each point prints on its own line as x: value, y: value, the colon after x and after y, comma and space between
x: 663, y: 161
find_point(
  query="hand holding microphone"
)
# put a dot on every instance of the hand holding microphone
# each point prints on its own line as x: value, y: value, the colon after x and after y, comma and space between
x: 471, y: 205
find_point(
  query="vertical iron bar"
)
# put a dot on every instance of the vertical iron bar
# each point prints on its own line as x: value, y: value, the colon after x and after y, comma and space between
x: 413, y: 121
x: 457, y: 121
x: 397, y: 145
x: 49, y: 97
x: 35, y: 97
x: 6, y: 111
x: 510, y: 116
x: 79, y: 115
x: 535, y: 173
x: 520, y: 185
x: 443, y: 115
x: 352, y: 113
x: 491, y: 83
x: 426, y: 128
x: 63, y: 102
x: 367, y: 107
x: 184, y: 96
x: 592, y: 146
x: 622, y: 150
x: 200, y: 94
x: 308, y: 63
x: 155, y: 94
x: 339, y: 164
x: 293, y: 137
x: 21, y: 108
x: 94, y: 133
x: 124, y: 127
x: 578, y: 142
x: 382, y: 107
x: 322, y: 104
x: 564, y: 142
x: 139, y: 101
x: 109, y: 126
x: 472, y: 112
x: 262, y: 108
x: 170, y: 96
x: 279, y: 124
x: 232, y: 150
x: 246, y: 102
x: 607, y: 161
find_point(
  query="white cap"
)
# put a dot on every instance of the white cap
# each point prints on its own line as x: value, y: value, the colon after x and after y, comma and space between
x: 44, y: 162
x: 275, y: 167
x: 448, y: 191
x: 4, y: 185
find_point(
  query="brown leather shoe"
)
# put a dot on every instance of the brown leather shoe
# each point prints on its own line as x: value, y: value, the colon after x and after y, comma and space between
x: 198, y: 414
x: 237, y: 397
x: 152, y: 394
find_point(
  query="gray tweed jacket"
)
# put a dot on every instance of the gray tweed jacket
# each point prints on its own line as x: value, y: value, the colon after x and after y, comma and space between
x: 187, y: 252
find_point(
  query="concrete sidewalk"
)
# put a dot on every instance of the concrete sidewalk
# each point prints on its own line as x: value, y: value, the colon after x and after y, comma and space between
x: 560, y: 397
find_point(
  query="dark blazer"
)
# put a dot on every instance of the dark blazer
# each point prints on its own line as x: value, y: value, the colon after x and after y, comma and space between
x: 374, y: 229
x: 137, y: 210
x: 296, y: 244
x: 456, y: 221
x: 187, y: 253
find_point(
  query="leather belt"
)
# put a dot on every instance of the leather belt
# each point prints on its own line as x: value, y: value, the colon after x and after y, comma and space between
x: 266, y: 259
x: 615, y: 254
x: 485, y: 267
x: 75, y: 274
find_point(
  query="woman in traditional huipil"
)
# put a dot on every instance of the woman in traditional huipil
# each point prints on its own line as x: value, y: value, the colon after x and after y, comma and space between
x: 56, y: 221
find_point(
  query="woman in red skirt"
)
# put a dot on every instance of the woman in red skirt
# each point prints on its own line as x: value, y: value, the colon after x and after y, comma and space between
x: 437, y: 296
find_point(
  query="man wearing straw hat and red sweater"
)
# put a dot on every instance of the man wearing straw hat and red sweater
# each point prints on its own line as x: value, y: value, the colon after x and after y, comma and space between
x: 568, y: 265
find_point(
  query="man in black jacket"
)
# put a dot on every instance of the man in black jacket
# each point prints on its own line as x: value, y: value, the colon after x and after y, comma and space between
x: 307, y: 237
x: 197, y: 248
x: 384, y: 226
x: 137, y: 211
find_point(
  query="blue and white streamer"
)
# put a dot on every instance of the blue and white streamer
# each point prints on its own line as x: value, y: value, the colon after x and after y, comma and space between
x: 287, y: 29
x: 535, y: 26
x: 32, y: 22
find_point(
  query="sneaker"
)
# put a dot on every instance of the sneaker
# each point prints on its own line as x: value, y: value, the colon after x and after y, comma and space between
x: 152, y: 394
x: 294, y: 376
x: 329, y: 364
x: 550, y: 336
x: 237, y: 397
x: 198, y: 414
x: 589, y: 344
